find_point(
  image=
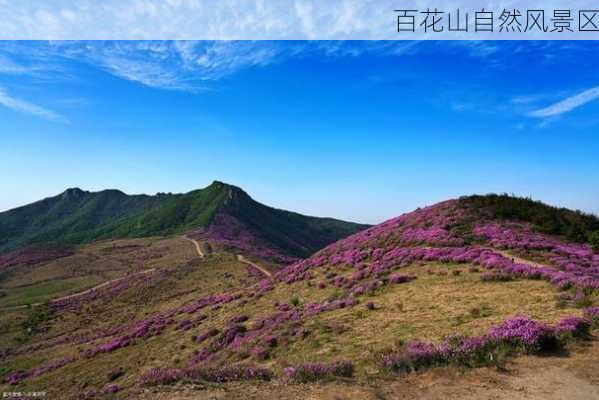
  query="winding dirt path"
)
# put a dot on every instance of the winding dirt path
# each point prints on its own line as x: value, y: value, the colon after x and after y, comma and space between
x: 196, y: 244
x: 198, y: 249
x: 240, y: 257
x: 244, y: 260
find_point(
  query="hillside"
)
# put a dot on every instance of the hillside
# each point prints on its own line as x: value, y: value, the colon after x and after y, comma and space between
x: 450, y: 288
x: 225, y: 212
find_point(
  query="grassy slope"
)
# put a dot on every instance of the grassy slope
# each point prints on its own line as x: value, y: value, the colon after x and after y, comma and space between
x: 428, y: 308
x: 91, y: 265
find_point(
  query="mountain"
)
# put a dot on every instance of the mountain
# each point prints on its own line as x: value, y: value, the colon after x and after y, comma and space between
x: 221, y: 211
x: 503, y: 221
x: 464, y: 283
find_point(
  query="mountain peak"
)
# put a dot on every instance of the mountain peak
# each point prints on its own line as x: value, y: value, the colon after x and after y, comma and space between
x: 231, y: 191
x: 73, y: 193
x: 225, y: 185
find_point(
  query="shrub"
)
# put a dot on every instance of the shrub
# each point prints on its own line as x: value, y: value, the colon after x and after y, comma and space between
x: 414, y: 356
x: 496, y: 276
x: 116, y: 373
x: 592, y: 314
x: 295, y: 301
x: 526, y: 334
x: 581, y: 300
x: 575, y: 326
x: 399, y: 278
x: 311, y: 372
x: 208, y: 334
x: 518, y: 333
x: 236, y: 372
x: 161, y: 376
x: 239, y: 319
x: 229, y: 373
x: 594, y: 240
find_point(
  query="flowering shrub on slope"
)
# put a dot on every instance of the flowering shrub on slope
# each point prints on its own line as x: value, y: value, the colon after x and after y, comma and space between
x: 387, y: 260
x: 524, y: 332
x: 108, y: 292
x: 17, y: 377
x: 518, y: 333
x: 228, y: 231
x: 592, y: 314
x: 311, y: 372
x: 236, y: 372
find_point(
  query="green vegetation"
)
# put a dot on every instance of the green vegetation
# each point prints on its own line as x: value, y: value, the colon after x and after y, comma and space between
x: 36, y: 322
x: 40, y: 292
x: 296, y: 234
x: 91, y: 265
x: 594, y: 240
x: 77, y: 216
x: 574, y: 225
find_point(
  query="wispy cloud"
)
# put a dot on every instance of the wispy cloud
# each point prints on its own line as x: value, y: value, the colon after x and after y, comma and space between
x: 183, y: 66
x: 8, y: 66
x: 170, y: 65
x: 567, y: 104
x: 194, y: 66
x: 26, y: 107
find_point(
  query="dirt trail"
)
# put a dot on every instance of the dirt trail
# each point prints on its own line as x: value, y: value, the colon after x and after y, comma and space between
x: 244, y: 260
x: 517, y: 259
x: 147, y: 271
x: 86, y: 291
x: 240, y: 258
x: 100, y: 286
x: 196, y: 244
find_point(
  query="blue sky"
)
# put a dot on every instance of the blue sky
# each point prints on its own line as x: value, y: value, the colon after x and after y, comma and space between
x: 362, y: 131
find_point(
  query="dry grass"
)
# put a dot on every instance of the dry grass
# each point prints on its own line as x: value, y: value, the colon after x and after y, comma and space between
x: 428, y: 308
x: 91, y: 265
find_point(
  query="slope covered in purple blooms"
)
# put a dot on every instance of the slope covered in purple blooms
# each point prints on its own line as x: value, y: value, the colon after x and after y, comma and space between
x: 268, y: 233
x: 444, y: 285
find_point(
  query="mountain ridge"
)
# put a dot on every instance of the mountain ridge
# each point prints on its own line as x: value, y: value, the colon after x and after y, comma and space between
x: 77, y: 216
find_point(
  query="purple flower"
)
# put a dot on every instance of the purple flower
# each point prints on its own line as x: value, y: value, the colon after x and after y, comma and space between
x: 161, y: 376
x: 208, y: 334
x: 576, y: 326
x: 310, y: 372
x: 592, y: 314
x: 525, y: 331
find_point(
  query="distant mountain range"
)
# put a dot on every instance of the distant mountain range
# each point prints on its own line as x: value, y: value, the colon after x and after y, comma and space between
x: 221, y: 212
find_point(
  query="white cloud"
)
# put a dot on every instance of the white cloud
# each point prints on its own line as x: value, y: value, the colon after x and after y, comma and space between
x: 171, y: 65
x: 192, y: 65
x: 25, y: 107
x: 8, y: 66
x: 195, y: 65
x: 568, y: 104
